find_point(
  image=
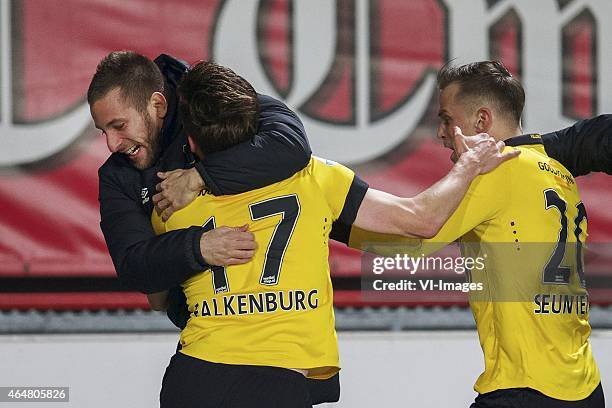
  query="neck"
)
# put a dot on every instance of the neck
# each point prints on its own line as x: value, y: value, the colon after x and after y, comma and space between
x: 505, y: 132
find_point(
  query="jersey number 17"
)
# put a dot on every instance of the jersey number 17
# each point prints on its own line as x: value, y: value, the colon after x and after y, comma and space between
x: 288, y: 207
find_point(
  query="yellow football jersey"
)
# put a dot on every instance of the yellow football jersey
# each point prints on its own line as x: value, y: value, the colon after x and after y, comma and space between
x: 526, y: 220
x: 276, y: 310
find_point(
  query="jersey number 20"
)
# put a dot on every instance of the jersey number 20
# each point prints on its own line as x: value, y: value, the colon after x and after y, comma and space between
x: 554, y: 273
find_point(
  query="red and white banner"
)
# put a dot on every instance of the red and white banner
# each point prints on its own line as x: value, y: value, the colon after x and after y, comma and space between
x: 360, y: 73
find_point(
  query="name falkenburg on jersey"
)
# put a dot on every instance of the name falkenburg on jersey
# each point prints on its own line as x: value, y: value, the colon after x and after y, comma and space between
x: 255, y: 303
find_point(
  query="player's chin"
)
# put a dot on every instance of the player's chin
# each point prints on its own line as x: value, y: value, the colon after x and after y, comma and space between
x: 143, y: 162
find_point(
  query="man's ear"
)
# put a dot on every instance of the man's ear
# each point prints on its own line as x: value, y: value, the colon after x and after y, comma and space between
x: 159, y: 104
x: 484, y: 120
x: 194, y: 148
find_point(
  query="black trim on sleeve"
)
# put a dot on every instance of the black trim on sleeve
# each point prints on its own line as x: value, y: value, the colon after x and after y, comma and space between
x: 341, y: 228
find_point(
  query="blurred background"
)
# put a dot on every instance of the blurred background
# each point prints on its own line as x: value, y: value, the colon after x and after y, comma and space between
x: 361, y: 75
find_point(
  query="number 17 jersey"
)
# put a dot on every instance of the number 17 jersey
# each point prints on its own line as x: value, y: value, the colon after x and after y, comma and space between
x: 276, y: 310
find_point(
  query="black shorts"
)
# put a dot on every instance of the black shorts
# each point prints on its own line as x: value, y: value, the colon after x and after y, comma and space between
x: 528, y: 398
x: 193, y: 383
x: 321, y: 391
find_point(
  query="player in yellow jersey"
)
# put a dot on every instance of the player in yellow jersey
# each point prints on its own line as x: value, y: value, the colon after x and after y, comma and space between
x: 529, y: 220
x: 257, y: 330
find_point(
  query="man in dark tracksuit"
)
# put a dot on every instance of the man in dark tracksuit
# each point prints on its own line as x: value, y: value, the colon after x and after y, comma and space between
x: 150, y: 264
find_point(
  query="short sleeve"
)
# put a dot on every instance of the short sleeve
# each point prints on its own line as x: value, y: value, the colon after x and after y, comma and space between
x: 342, y: 189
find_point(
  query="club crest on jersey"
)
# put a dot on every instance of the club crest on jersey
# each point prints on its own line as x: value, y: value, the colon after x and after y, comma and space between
x: 326, y: 161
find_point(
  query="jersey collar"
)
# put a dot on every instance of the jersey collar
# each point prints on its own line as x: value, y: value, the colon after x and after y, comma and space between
x: 522, y: 140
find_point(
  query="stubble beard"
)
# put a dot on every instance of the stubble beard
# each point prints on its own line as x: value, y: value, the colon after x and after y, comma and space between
x: 154, y: 144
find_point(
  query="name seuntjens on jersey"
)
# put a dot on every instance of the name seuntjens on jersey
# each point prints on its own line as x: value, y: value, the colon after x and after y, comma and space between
x: 561, y: 304
x: 255, y: 303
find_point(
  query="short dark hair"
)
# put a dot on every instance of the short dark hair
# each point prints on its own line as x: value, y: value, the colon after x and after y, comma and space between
x: 219, y: 108
x: 488, y: 80
x: 135, y: 75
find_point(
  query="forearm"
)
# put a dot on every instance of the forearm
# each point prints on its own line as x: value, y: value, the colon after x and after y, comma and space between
x: 142, y: 260
x: 425, y: 214
x: 278, y: 150
x: 419, y: 216
x: 159, y: 262
x: 429, y: 210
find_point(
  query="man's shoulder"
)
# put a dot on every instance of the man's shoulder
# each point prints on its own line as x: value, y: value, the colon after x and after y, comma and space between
x: 532, y: 159
x: 273, y: 108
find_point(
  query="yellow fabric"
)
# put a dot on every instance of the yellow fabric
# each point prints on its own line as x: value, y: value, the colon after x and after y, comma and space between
x: 289, y: 323
x: 549, y: 352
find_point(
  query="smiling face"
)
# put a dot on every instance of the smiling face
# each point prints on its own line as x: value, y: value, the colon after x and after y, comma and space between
x: 127, y: 130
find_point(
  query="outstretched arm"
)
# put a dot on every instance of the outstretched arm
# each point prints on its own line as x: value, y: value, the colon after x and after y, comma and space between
x: 425, y: 214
